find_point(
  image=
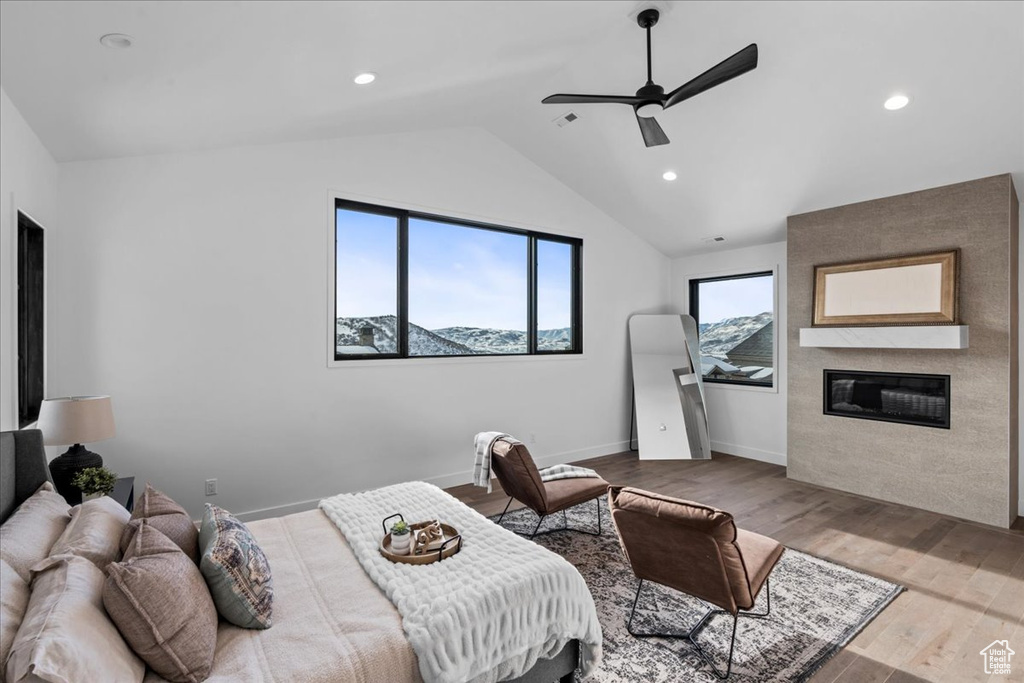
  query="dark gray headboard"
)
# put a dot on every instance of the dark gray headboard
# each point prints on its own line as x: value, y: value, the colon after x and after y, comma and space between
x: 23, y: 468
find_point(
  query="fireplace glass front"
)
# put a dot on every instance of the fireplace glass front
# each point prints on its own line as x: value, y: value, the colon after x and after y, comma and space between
x: 913, y: 399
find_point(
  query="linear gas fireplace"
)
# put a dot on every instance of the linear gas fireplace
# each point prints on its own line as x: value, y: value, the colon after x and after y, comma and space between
x: 893, y: 397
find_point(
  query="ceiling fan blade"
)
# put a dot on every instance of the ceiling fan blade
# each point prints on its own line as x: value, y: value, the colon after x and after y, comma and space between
x: 740, y: 63
x: 591, y: 99
x: 652, y: 132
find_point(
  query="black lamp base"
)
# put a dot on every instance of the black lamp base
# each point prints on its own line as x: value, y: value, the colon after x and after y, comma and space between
x: 64, y: 467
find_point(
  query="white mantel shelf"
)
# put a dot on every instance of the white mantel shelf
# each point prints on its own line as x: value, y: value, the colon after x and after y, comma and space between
x: 916, y: 337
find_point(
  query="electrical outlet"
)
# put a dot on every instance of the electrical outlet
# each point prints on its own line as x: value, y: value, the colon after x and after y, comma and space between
x: 211, y: 487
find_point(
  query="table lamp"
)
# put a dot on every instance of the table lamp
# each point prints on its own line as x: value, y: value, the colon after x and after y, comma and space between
x: 74, y: 420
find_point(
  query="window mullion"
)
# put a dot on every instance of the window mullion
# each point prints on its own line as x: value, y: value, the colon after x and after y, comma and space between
x: 577, y: 298
x: 531, y: 295
x: 402, y: 324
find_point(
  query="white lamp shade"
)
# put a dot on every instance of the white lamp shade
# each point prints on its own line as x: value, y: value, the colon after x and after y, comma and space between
x: 76, y: 419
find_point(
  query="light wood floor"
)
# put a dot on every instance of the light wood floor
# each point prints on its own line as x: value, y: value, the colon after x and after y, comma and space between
x: 965, y: 581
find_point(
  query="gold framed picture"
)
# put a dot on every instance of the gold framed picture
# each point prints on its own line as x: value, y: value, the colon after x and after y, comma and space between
x: 919, y: 289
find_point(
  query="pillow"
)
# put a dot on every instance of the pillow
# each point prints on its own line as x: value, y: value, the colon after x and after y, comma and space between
x: 94, y: 532
x: 14, y: 592
x: 235, y: 569
x: 27, y: 535
x: 166, y: 516
x: 161, y: 605
x: 66, y: 635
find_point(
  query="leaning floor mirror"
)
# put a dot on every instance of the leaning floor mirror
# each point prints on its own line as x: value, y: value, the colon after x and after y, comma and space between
x: 668, y: 392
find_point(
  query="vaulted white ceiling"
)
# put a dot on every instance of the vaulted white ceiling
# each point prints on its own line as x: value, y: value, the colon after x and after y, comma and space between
x: 805, y: 130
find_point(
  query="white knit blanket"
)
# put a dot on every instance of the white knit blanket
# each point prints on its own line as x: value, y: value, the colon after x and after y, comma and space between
x: 488, y: 612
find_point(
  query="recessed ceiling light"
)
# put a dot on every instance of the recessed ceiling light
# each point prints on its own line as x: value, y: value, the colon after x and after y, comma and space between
x: 117, y: 41
x: 365, y: 78
x: 669, y: 175
x: 897, y: 102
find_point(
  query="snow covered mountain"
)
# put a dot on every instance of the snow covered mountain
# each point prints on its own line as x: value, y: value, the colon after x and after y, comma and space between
x: 717, y: 339
x: 352, y: 336
x: 486, y: 340
x: 349, y: 338
x: 554, y: 340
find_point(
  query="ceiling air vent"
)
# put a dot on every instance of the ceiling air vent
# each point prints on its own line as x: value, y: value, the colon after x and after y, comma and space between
x: 566, y: 118
x: 712, y: 240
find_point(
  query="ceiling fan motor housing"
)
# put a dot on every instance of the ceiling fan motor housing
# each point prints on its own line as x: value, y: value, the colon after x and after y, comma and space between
x: 651, y: 100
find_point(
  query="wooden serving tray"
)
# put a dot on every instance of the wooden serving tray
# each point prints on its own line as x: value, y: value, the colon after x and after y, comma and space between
x: 450, y: 544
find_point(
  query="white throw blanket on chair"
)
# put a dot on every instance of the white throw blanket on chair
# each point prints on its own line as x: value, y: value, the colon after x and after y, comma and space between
x: 556, y: 472
x: 482, y: 615
x: 484, y: 442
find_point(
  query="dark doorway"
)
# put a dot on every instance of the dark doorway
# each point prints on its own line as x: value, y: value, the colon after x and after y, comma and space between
x: 31, y: 291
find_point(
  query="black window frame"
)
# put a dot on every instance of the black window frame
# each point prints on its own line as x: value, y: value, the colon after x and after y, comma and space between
x: 695, y: 314
x: 403, y: 217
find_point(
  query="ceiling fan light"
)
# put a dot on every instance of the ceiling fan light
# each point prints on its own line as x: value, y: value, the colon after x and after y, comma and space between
x: 649, y: 110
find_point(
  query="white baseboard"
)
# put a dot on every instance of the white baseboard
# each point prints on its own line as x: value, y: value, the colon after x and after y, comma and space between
x: 278, y: 511
x: 750, y: 453
x: 446, y: 480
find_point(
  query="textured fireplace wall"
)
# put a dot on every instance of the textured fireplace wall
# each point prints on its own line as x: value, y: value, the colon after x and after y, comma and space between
x: 969, y: 471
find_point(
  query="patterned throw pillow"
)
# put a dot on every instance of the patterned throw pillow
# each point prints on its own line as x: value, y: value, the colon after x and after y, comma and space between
x: 235, y: 569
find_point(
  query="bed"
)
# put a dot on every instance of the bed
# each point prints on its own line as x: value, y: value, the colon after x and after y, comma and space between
x: 331, y: 621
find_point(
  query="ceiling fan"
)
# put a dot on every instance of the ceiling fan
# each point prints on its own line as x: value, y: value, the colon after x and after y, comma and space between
x: 651, y: 99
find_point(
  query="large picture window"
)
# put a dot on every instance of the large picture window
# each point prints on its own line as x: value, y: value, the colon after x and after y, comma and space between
x: 410, y: 285
x: 736, y: 319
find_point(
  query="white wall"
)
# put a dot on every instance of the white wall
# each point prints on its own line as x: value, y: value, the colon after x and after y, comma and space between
x: 28, y: 182
x: 745, y: 421
x: 193, y: 289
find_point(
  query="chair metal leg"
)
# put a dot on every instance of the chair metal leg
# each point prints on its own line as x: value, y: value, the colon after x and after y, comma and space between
x: 768, y: 597
x: 539, y: 522
x: 505, y: 510
x: 565, y: 522
x: 566, y: 526
x: 692, y: 633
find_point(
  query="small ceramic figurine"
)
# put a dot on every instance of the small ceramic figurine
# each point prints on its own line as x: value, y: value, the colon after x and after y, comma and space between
x: 427, y: 535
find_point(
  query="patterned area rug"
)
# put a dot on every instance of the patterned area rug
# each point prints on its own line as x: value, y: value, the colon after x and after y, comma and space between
x: 817, y: 607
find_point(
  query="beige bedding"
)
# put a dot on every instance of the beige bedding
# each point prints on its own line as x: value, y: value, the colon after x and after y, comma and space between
x: 331, y: 622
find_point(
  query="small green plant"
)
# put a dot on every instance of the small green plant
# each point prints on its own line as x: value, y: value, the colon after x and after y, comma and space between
x: 95, y: 480
x: 399, y: 528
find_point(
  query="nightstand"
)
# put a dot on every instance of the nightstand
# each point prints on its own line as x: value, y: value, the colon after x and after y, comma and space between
x: 124, y: 492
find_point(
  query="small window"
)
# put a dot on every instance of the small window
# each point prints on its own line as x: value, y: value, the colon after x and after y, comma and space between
x: 366, y: 294
x: 413, y: 285
x: 736, y: 319
x: 555, y: 296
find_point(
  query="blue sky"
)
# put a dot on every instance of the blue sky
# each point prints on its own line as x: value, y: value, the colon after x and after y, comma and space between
x: 458, y: 276
x: 735, y: 298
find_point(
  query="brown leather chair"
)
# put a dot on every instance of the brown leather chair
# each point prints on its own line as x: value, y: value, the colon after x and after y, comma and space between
x: 519, y: 478
x: 695, y: 549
